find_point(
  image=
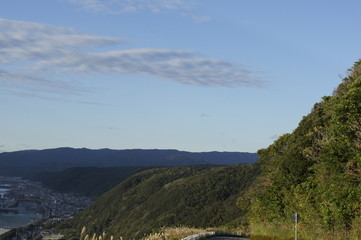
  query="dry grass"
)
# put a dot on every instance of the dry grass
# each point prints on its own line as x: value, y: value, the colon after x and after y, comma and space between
x: 84, y: 236
x: 173, y: 233
x: 169, y: 233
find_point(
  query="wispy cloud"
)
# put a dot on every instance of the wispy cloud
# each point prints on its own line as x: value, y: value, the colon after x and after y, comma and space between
x: 114, y: 7
x: 33, y: 41
x: 202, y: 19
x: 30, y: 82
x: 175, y: 65
x: 125, y: 6
x: 23, y: 45
x: 27, y: 94
x: 35, y: 56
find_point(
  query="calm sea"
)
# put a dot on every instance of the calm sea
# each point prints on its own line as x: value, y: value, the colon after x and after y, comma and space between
x: 23, y: 218
x: 3, y: 190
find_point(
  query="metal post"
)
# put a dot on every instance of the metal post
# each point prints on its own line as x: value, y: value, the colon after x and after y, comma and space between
x: 296, y: 220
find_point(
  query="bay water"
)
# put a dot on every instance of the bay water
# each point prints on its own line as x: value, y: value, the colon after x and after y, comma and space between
x: 20, y: 219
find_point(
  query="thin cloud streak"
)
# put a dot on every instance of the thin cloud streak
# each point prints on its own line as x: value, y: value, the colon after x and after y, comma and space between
x: 179, y: 66
x: 33, y: 53
x: 26, y: 94
x: 32, y: 82
x: 116, y: 7
x: 126, y: 6
x: 202, y: 19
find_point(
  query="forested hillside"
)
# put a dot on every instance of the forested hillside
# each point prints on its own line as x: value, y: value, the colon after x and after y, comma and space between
x: 149, y: 200
x: 314, y: 171
x: 86, y: 181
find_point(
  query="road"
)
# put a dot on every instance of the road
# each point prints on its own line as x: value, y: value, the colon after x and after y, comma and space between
x: 227, y: 238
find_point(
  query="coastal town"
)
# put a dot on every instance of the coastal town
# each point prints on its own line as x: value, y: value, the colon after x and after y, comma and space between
x: 27, y: 206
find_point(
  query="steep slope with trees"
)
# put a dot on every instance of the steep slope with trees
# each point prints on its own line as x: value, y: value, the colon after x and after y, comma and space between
x: 188, y: 196
x: 86, y: 181
x: 315, y: 171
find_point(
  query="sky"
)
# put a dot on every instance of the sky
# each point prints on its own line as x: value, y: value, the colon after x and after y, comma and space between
x: 192, y: 75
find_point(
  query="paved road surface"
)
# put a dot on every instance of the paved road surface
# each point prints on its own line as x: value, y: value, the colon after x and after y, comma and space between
x: 2, y: 230
x: 227, y: 238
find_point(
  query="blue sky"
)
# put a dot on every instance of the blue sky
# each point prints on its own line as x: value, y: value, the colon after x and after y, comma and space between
x: 202, y: 75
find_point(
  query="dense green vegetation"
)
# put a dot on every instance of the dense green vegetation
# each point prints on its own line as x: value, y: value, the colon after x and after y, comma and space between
x: 189, y: 196
x: 315, y: 171
x: 87, y: 181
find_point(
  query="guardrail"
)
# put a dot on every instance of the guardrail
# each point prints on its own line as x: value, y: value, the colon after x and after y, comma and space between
x: 206, y: 235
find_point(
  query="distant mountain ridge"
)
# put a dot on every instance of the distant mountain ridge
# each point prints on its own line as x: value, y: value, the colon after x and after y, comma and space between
x: 30, y: 162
